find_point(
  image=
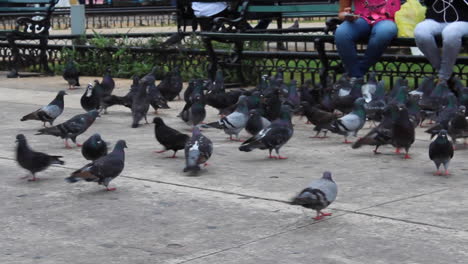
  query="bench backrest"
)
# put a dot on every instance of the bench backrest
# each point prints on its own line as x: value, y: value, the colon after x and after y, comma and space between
x: 33, y: 7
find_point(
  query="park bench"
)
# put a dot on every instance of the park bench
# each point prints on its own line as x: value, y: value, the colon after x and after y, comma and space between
x: 223, y: 31
x: 32, y: 23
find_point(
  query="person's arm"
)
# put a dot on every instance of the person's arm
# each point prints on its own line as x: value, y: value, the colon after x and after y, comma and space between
x: 345, y: 10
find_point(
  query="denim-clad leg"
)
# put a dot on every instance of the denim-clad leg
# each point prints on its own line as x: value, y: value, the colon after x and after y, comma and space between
x: 451, y: 46
x: 346, y: 36
x: 424, y: 35
x: 380, y: 37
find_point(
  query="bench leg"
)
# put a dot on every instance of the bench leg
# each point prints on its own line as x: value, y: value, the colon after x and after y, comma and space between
x: 16, y: 59
x: 239, y: 46
x: 43, y: 57
x: 212, y: 57
x: 320, y: 47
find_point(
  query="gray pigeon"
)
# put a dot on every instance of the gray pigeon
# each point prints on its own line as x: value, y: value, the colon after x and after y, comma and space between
x: 256, y: 122
x: 31, y: 160
x: 351, y: 123
x: 104, y: 169
x: 441, y: 151
x: 49, y: 112
x: 197, y: 151
x: 71, y: 128
x: 234, y: 122
x: 318, y: 195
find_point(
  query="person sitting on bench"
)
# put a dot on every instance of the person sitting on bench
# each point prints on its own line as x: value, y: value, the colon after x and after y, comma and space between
x: 372, y: 20
x: 449, y: 19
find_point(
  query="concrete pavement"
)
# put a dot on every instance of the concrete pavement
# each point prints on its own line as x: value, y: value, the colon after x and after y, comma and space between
x: 388, y: 210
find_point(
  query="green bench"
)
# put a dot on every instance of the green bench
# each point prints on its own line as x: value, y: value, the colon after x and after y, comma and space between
x: 32, y: 23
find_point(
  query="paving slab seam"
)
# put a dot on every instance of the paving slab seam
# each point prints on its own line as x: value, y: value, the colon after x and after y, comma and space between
x: 358, y: 211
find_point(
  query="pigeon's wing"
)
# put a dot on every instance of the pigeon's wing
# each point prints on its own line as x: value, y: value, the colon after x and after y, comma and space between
x: 107, y: 166
x: 52, y: 111
x: 350, y: 122
x: 329, y: 188
x: 277, y: 136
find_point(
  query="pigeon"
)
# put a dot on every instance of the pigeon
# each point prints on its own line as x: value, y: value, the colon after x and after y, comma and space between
x: 319, y: 118
x: 381, y: 134
x: 91, y: 99
x: 156, y: 99
x: 293, y: 98
x: 49, y: 112
x: 125, y: 100
x: 444, y: 116
x: 107, y: 83
x: 170, y: 138
x: 197, y: 151
x: 403, y: 131
x: 369, y: 89
x: 256, y: 122
x: 94, y: 147
x: 71, y: 128
x: 273, y: 105
x: 351, y: 123
x: 171, y: 85
x: 458, y: 126
x: 31, y: 160
x: 441, y: 151
x: 318, y: 195
x: 104, y: 169
x: 222, y: 100
x: 71, y: 75
x: 273, y: 136
x: 234, y: 122
x: 196, y: 113
x: 140, y: 103
x: 375, y: 106
x: 414, y: 111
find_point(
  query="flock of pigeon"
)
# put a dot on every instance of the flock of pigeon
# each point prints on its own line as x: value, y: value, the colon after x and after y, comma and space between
x: 264, y: 112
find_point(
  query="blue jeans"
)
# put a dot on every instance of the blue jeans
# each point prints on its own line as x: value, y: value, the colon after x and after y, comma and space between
x: 378, y: 37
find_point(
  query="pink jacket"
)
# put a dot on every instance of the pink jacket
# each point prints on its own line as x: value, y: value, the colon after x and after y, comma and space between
x: 374, y: 11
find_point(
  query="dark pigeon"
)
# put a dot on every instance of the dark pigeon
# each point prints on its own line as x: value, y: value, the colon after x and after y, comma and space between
x: 319, y: 118
x: 107, y: 83
x: 196, y: 113
x: 318, y: 195
x: 125, y: 100
x: 444, y: 116
x: 171, y: 86
x: 71, y: 75
x: 458, y: 126
x: 31, y: 160
x: 49, y: 112
x: 91, y: 99
x: 140, y: 103
x: 170, y: 138
x: 256, y: 122
x: 157, y: 100
x: 104, y: 169
x: 71, y: 128
x: 381, y: 134
x: 94, y: 147
x: 403, y: 131
x: 441, y: 151
x: 376, y: 105
x: 272, y: 137
x: 197, y: 151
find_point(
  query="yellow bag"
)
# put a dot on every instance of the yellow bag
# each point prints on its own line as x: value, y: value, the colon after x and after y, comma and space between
x: 410, y: 14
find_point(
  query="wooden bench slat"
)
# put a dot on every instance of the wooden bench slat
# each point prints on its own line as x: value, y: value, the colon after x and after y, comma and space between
x: 294, y: 8
x: 27, y: 1
x: 24, y: 9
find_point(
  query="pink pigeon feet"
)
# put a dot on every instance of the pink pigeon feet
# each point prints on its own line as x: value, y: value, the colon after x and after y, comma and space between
x: 111, y: 189
x: 33, y: 179
x: 277, y: 157
x: 397, y: 151
x: 160, y: 151
x: 206, y: 164
x: 321, y: 216
x: 407, y: 156
x: 67, y: 146
x: 347, y: 142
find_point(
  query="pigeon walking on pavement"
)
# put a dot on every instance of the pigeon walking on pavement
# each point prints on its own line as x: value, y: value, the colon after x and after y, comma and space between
x: 71, y: 75
x: 272, y: 137
x: 91, y: 98
x: 318, y: 195
x: 351, y: 123
x: 104, y: 169
x: 31, y: 160
x: 170, y: 138
x: 71, y: 128
x: 403, y: 131
x: 49, y: 112
x: 197, y: 151
x: 233, y: 123
x: 94, y: 147
x: 441, y: 151
x: 140, y: 103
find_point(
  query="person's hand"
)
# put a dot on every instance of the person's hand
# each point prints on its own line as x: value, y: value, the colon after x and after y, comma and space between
x: 347, y: 15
